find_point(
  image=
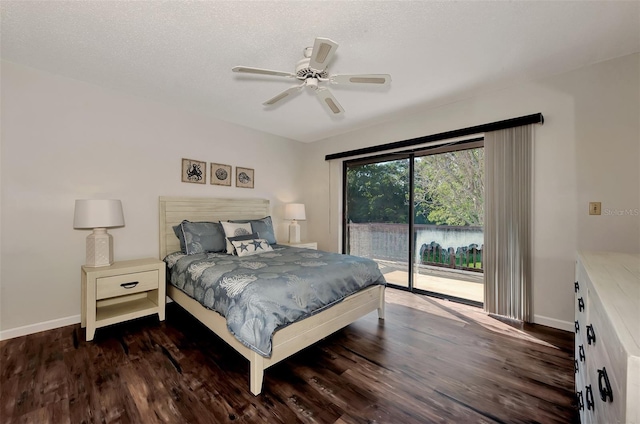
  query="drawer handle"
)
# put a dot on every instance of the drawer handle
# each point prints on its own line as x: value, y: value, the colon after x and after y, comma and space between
x: 580, y: 304
x: 577, y: 287
x: 581, y: 353
x: 591, y: 334
x: 129, y: 285
x: 577, y: 327
x: 605, y: 392
x: 580, y: 401
x: 589, y: 396
x: 577, y: 367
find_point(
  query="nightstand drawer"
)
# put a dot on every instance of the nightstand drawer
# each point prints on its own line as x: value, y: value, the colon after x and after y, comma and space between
x: 121, y: 285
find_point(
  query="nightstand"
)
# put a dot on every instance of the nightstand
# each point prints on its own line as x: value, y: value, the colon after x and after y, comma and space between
x: 121, y: 292
x: 305, y: 245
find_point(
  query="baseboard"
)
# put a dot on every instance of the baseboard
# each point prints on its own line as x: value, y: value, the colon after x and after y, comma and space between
x: 44, y: 326
x: 554, y: 323
x: 38, y: 327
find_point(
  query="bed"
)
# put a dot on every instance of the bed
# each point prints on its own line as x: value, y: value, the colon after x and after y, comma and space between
x: 285, y: 341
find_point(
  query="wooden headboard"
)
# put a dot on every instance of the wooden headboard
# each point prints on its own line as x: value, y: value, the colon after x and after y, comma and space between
x: 175, y: 209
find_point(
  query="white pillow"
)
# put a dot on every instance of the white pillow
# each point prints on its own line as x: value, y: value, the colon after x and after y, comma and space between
x: 233, y: 229
x: 251, y: 247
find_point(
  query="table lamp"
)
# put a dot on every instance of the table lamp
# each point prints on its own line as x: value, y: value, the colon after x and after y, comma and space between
x: 295, y: 212
x: 98, y: 215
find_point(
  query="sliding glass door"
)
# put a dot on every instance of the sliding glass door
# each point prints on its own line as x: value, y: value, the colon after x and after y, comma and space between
x: 376, y: 218
x: 420, y: 216
x: 449, y: 215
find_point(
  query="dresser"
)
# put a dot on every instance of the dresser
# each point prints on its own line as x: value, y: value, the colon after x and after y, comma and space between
x: 607, y: 339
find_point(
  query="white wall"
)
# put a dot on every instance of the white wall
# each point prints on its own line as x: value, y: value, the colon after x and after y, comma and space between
x: 64, y: 140
x: 587, y: 150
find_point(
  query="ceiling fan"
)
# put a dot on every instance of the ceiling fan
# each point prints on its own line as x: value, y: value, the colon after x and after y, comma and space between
x: 312, y: 72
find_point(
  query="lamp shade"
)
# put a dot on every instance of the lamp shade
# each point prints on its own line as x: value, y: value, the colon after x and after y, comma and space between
x: 90, y: 213
x: 294, y: 211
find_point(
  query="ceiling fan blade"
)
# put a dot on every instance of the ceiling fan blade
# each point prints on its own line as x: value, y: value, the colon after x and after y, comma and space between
x: 322, y: 53
x: 378, y: 79
x: 284, y: 95
x: 260, y: 71
x: 329, y: 102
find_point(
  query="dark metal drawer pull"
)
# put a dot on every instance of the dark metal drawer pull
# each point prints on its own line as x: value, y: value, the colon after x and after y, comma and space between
x: 577, y: 327
x: 580, y: 401
x: 589, y: 396
x: 577, y: 287
x: 577, y: 367
x: 605, y: 392
x: 581, y: 304
x: 591, y: 334
x: 129, y: 285
x: 581, y: 353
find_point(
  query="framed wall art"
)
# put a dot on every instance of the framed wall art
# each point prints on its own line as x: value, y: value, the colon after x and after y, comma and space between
x: 220, y: 174
x: 244, y: 177
x: 194, y: 171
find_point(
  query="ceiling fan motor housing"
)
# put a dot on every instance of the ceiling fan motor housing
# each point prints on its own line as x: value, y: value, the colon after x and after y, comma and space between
x: 303, y: 71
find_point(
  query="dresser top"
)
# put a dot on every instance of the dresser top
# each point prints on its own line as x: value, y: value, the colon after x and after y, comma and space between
x: 616, y: 279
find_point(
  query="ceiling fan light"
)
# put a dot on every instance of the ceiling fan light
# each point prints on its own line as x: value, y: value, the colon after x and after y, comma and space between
x: 311, y: 83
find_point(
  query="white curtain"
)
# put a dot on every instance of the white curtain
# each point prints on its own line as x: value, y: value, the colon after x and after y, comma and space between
x: 507, y: 229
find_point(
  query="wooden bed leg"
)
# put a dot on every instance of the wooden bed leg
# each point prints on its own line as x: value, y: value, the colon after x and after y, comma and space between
x: 381, y: 306
x: 256, y: 373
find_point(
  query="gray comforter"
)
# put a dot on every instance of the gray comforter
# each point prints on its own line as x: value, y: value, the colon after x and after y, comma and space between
x: 261, y: 293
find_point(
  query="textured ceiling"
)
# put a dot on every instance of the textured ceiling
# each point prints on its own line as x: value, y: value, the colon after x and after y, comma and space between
x: 436, y: 52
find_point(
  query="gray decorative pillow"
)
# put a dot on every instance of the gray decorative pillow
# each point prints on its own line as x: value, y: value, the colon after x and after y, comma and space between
x: 251, y: 247
x: 264, y: 226
x: 200, y: 237
x: 177, y: 230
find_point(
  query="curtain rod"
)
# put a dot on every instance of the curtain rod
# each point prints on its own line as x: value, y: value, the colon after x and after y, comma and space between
x: 535, y: 118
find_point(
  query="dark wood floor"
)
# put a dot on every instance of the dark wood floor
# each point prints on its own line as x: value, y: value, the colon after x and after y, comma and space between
x: 429, y: 361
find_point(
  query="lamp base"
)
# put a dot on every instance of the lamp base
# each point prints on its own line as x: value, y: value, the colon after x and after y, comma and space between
x: 294, y: 232
x: 99, y: 248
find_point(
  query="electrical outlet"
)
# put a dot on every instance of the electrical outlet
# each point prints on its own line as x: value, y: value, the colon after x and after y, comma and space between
x: 595, y: 208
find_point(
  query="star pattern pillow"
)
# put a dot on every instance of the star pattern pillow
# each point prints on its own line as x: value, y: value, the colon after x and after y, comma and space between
x: 239, y: 238
x: 251, y: 247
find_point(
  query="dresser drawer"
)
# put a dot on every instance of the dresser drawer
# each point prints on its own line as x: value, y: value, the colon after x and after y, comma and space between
x: 121, y: 285
x: 606, y: 353
x: 609, y: 412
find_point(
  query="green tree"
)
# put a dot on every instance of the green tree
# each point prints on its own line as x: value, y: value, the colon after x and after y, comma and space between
x: 378, y: 192
x: 449, y: 187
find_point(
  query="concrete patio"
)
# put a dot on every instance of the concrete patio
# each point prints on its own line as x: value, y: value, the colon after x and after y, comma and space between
x: 461, y: 284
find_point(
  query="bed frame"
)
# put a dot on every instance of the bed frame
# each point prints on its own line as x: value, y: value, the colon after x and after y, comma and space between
x: 290, y: 339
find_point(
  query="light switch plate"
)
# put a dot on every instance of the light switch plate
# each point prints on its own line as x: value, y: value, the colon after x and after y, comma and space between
x: 595, y: 208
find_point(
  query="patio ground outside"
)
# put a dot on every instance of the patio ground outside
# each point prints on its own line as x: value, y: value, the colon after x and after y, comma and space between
x: 463, y: 284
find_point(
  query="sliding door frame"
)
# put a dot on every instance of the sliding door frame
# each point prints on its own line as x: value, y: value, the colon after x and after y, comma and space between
x: 345, y: 225
x: 471, y: 143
